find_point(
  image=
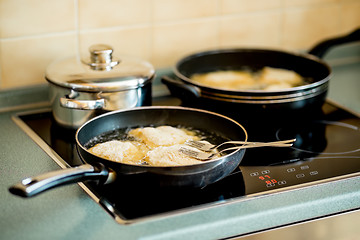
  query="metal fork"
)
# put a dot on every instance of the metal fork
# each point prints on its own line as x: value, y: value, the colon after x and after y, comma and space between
x: 210, y: 155
x: 208, y: 147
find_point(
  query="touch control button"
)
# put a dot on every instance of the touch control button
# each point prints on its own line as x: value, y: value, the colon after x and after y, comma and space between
x: 282, y: 182
x: 300, y: 175
x: 254, y: 174
x: 290, y: 170
x: 270, y: 185
x: 265, y: 172
x: 314, y: 173
x: 304, y: 167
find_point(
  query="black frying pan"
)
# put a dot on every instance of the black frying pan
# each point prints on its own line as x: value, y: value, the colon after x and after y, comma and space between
x: 256, y: 103
x: 106, y: 171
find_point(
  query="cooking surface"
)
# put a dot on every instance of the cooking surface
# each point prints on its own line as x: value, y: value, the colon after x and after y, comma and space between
x: 69, y: 213
x: 326, y: 147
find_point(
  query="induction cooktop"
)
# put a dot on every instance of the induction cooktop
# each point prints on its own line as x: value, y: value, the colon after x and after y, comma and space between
x: 327, y: 148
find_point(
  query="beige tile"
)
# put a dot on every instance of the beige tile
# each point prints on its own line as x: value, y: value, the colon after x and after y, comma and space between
x: 251, y: 30
x: 304, y: 27
x: 160, y: 31
x: 173, y: 41
x: 110, y: 13
x: 127, y: 41
x: 241, y: 6
x: 351, y: 19
x: 299, y: 3
x: 23, y: 17
x: 165, y: 10
x: 24, y: 61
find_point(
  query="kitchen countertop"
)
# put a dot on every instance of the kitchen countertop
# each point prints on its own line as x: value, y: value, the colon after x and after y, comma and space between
x: 68, y: 212
x: 339, y: 227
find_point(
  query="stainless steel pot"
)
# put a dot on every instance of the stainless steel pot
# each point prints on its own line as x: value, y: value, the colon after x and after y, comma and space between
x: 81, y: 90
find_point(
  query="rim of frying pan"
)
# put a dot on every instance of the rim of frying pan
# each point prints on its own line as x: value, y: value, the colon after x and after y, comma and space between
x: 232, y: 50
x: 161, y: 108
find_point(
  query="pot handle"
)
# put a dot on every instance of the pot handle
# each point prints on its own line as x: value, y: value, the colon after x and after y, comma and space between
x: 320, y: 49
x: 82, y: 104
x: 181, y: 90
x: 32, y: 186
x: 69, y: 101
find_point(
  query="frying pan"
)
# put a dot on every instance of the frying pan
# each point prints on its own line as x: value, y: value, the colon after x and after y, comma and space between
x: 256, y: 103
x: 104, y: 171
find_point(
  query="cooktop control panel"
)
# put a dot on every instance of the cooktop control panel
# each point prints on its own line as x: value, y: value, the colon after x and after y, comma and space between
x: 263, y: 178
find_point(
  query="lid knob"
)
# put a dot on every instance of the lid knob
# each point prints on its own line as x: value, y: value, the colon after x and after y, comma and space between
x: 101, y: 57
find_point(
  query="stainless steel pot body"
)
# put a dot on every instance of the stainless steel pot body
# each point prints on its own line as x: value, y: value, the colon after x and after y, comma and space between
x: 83, y: 88
x: 72, y: 108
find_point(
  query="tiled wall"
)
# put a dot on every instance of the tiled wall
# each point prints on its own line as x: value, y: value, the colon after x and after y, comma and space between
x: 34, y: 33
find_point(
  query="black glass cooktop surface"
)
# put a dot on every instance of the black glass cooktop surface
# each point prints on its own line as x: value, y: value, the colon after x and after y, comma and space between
x: 327, y: 148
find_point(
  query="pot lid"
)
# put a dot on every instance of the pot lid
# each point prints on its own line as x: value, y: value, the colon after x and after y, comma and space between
x: 101, y: 73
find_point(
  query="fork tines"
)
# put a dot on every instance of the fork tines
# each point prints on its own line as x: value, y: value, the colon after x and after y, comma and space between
x: 204, y: 146
x: 196, y: 154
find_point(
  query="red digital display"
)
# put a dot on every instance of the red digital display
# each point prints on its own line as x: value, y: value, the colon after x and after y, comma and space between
x: 264, y: 177
x: 268, y: 179
x: 271, y: 181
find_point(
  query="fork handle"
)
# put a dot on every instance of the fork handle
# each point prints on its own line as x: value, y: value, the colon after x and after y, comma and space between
x: 255, y: 144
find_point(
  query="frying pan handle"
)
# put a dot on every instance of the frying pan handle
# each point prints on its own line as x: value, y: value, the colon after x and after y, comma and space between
x: 321, y: 48
x: 180, y: 89
x: 34, y: 185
